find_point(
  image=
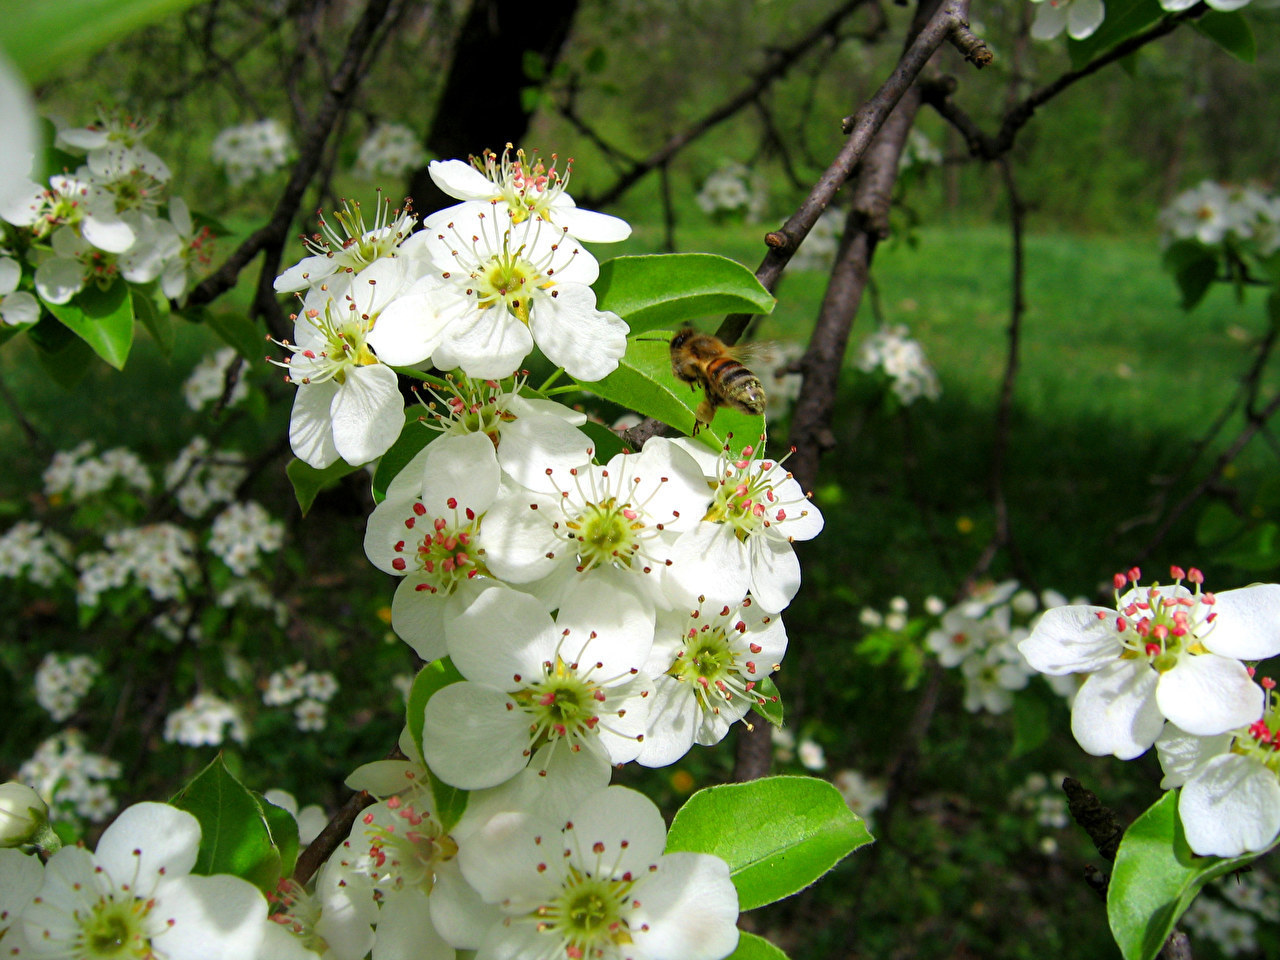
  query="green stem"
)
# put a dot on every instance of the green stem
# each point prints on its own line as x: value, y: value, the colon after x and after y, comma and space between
x: 555, y: 375
x: 568, y: 388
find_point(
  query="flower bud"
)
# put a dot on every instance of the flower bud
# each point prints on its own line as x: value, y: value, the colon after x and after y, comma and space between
x: 23, y: 815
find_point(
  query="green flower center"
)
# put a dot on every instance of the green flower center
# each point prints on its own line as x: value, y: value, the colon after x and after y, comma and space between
x: 508, y: 279
x: 606, y: 533
x: 562, y: 706
x: 115, y: 930
x: 587, y: 916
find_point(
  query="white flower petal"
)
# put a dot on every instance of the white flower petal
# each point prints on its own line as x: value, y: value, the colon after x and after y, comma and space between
x: 108, y: 233
x: 1115, y: 711
x: 491, y: 348
x: 1181, y: 753
x: 501, y: 638
x: 474, y: 736
x: 530, y: 444
x: 1230, y: 807
x: 590, y: 226
x: 463, y: 468
x: 674, y: 717
x: 10, y: 274
x: 573, y: 334
x: 457, y: 910
x: 1208, y: 694
x: 59, y: 279
x: 311, y: 425
x: 709, y: 561
x: 210, y: 918
x: 775, y: 572
x: 405, y: 930
x: 459, y: 179
x: 1051, y: 20
x: 148, y: 841
x: 1247, y: 623
x: 19, y: 308
x: 409, y: 329
x: 1084, y: 17
x: 688, y: 909
x: 602, y: 624
x: 626, y: 823
x: 368, y: 413
x: 1077, y: 639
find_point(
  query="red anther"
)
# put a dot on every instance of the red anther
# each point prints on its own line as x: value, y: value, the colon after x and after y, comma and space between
x: 1208, y: 598
x: 1251, y: 670
x: 1119, y: 581
x: 1195, y: 576
x: 1152, y: 649
x: 1134, y: 574
x: 439, y: 524
x: 461, y: 558
x: 629, y: 513
x: 419, y: 509
x: 781, y: 515
x: 1267, y: 683
x: 447, y: 565
x: 1177, y: 573
x: 754, y: 647
x: 1211, y: 617
x: 1260, y: 731
x: 1101, y: 614
x: 547, y: 699
x: 751, y: 666
x: 548, y: 471
x: 399, y: 547
x: 598, y: 696
x: 590, y: 722
x: 471, y: 515
x: 725, y: 611
x: 398, y: 563
x: 1121, y: 624
x: 451, y: 503
x: 429, y: 565
x: 597, y: 847
x: 464, y: 538
x: 747, y: 451
x: 424, y: 586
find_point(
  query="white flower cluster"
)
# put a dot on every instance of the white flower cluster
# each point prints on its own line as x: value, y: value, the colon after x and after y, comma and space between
x: 205, y: 721
x: 390, y: 151
x: 1080, y: 18
x: 103, y: 221
x: 734, y: 189
x: 71, y: 779
x: 1215, y: 213
x: 160, y: 557
x: 1042, y: 798
x: 979, y: 636
x: 16, y: 306
x: 818, y: 251
x: 208, y: 380
x: 200, y: 478
x: 135, y: 896
x: 28, y: 551
x: 1169, y: 666
x: 243, y: 534
x: 61, y: 682
x: 477, y: 288
x: 309, y: 692
x: 256, y: 594
x: 77, y: 474
x: 894, y: 354
x: 861, y: 794
x: 598, y: 613
x: 252, y: 150
x: 919, y: 151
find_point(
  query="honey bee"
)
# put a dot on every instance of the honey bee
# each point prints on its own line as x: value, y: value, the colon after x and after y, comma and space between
x: 700, y: 359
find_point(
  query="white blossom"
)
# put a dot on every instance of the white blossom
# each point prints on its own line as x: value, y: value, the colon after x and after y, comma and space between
x: 205, y: 721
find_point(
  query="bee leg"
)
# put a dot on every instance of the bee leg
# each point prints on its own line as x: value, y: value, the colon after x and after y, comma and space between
x: 703, y: 415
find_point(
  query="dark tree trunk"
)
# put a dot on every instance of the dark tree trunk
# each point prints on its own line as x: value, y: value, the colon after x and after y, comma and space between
x: 480, y: 107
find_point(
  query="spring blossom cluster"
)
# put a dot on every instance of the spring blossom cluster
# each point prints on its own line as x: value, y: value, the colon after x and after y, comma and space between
x: 1169, y: 666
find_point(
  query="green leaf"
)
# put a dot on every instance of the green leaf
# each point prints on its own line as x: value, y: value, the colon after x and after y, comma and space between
x: 1155, y: 878
x: 101, y: 318
x: 1229, y: 30
x: 284, y: 832
x: 235, y: 835
x: 413, y: 437
x: 308, y: 481
x: 1194, y: 267
x: 607, y: 444
x: 451, y: 802
x: 434, y: 676
x: 1124, y: 19
x: 771, y: 709
x: 751, y: 947
x: 153, y: 311
x: 63, y: 355
x: 644, y: 383
x: 670, y: 288
x: 778, y: 835
x: 43, y: 38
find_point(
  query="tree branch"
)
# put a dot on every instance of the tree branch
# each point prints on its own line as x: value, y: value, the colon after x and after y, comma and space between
x: 270, y: 238
x: 782, y: 61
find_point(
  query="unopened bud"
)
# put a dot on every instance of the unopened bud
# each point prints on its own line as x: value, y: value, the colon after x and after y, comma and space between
x: 23, y: 815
